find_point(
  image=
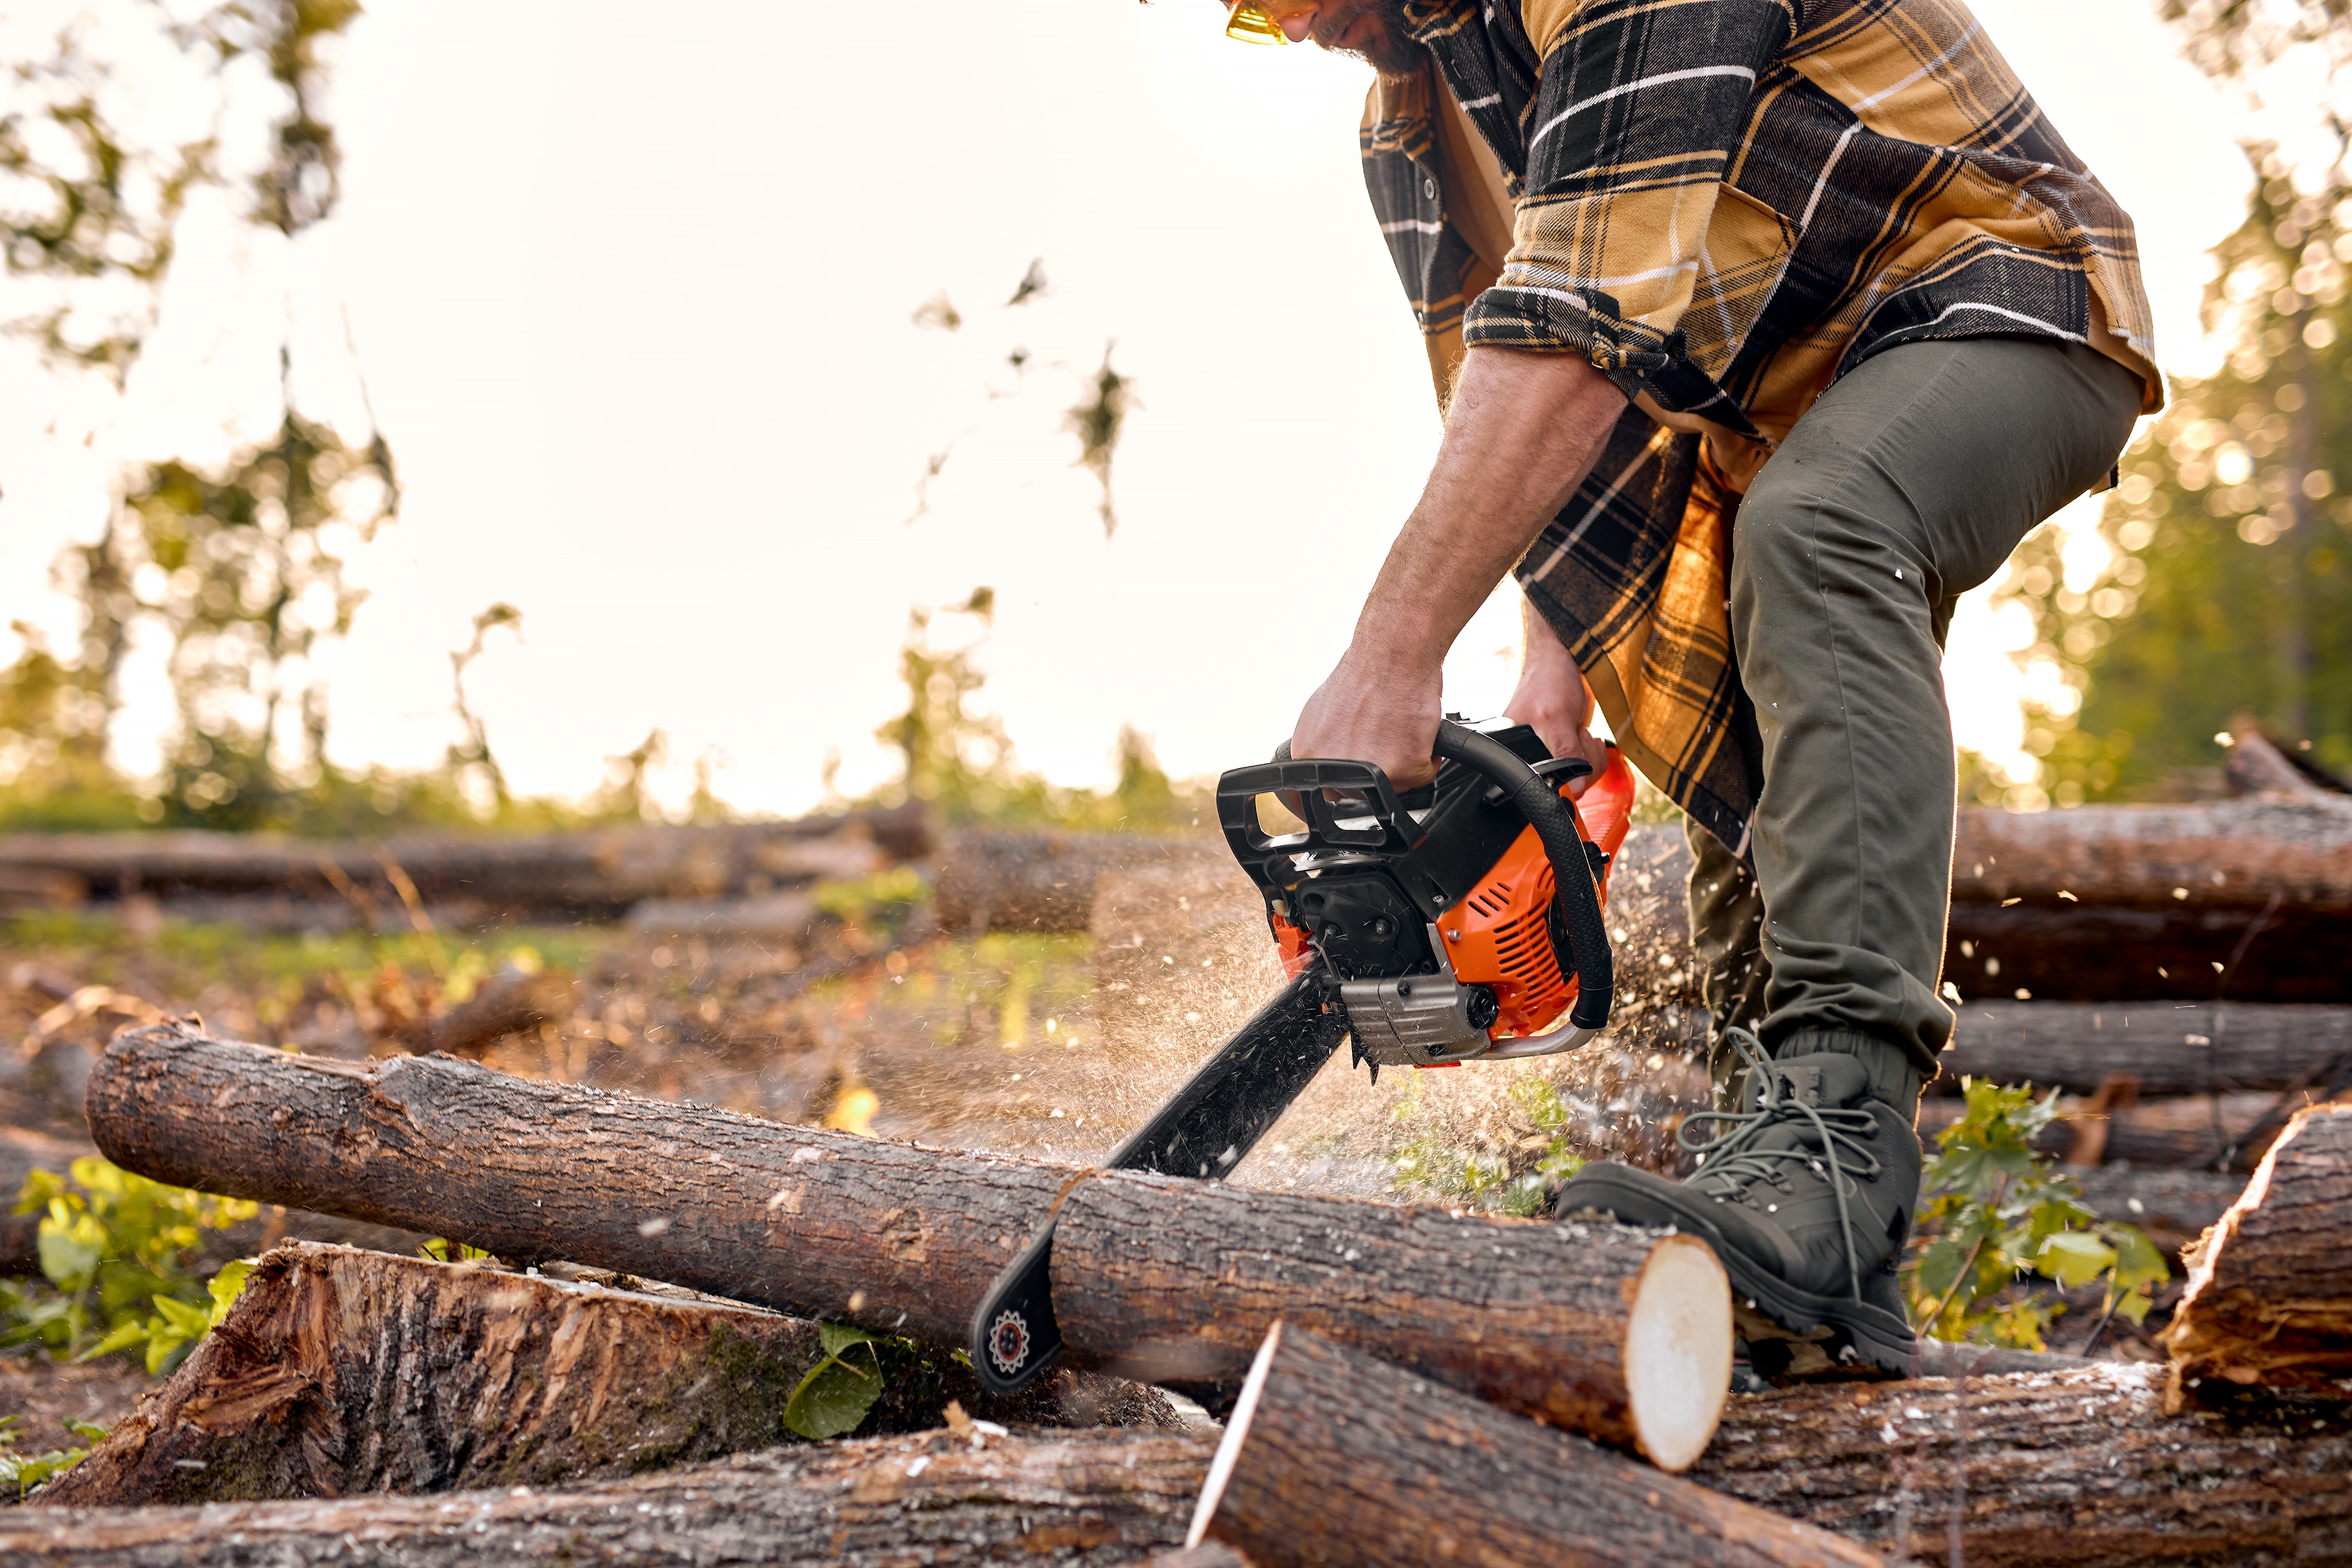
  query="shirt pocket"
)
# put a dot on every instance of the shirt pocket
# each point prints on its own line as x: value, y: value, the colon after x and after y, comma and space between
x: 1740, y: 264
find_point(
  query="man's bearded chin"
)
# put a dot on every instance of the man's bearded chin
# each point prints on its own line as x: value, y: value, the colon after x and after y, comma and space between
x: 1391, y: 50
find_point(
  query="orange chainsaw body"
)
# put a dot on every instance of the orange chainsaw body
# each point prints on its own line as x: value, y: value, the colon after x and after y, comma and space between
x: 1499, y: 934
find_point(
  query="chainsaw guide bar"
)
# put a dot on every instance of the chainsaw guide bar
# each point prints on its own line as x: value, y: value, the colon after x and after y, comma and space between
x: 1456, y: 923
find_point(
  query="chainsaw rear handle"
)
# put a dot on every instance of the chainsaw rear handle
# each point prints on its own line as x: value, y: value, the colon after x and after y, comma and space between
x: 1577, y: 900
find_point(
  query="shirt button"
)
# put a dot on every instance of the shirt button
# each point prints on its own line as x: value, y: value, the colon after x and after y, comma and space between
x: 1429, y: 187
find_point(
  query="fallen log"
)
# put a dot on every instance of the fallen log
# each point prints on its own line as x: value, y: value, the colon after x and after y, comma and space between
x: 2183, y: 1131
x: 810, y: 1222
x: 2172, y: 1047
x: 938, y: 1498
x: 2064, y: 951
x: 1623, y: 1335
x: 340, y: 1371
x: 2081, y: 1468
x: 22, y: 1152
x: 2129, y: 939
x: 2269, y: 1299
x: 885, y: 1236
x: 2229, y: 853
x: 1333, y: 1457
x: 602, y: 870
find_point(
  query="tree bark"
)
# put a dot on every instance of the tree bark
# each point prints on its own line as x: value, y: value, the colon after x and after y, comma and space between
x: 2172, y: 1047
x: 888, y: 1237
x: 817, y: 1223
x: 340, y: 1371
x: 2080, y: 1468
x: 1619, y: 1333
x: 600, y: 871
x: 1334, y: 1458
x: 2184, y: 1132
x: 2269, y: 1299
x: 1094, y: 1498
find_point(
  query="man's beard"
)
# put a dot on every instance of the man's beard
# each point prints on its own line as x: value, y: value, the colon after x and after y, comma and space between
x: 1391, y: 50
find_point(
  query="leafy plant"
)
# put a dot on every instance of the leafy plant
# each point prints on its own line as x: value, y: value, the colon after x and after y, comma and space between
x: 838, y: 1391
x: 20, y: 1473
x: 112, y: 1250
x: 1992, y: 1213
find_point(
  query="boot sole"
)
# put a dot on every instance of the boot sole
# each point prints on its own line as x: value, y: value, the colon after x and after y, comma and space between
x: 1877, y: 1335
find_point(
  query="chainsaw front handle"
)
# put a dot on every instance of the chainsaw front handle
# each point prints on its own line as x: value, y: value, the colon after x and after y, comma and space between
x: 1577, y: 897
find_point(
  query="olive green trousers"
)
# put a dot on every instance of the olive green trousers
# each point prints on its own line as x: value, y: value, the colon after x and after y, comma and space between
x: 1907, y: 485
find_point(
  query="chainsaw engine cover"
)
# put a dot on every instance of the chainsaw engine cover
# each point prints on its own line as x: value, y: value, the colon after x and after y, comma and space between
x: 1358, y: 874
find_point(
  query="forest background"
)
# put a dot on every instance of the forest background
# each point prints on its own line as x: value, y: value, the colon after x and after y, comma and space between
x: 379, y: 384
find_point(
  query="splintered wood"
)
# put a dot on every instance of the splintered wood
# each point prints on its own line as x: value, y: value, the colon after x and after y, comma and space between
x: 2269, y: 1300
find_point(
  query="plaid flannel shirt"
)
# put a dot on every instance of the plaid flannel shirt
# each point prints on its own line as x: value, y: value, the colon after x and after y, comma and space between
x: 1726, y: 204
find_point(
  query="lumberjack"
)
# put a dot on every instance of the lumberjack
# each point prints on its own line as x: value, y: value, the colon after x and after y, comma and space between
x: 1763, y: 329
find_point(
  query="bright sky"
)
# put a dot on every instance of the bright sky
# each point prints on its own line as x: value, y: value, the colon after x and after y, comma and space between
x: 632, y: 291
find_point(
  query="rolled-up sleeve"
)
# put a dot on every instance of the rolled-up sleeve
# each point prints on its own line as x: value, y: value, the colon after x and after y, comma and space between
x: 1629, y: 249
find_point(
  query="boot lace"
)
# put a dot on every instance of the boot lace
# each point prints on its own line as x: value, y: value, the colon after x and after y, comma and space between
x: 1731, y: 1157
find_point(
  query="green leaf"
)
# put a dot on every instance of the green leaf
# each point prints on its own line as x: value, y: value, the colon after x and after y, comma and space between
x: 71, y: 1247
x: 120, y: 1338
x: 227, y: 1285
x: 2137, y: 1260
x: 2074, y: 1258
x: 839, y: 1337
x: 835, y: 1395
x: 165, y: 1351
x: 185, y: 1319
x: 89, y: 1429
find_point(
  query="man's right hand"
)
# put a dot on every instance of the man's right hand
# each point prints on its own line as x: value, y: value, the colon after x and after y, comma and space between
x: 1553, y: 701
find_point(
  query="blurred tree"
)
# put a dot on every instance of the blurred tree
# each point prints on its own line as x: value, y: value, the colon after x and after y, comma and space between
x: 92, y: 187
x: 2215, y: 588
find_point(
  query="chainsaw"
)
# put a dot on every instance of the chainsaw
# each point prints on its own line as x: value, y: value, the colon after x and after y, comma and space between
x: 1454, y: 923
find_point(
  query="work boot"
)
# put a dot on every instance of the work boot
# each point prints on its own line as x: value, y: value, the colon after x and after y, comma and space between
x: 1806, y: 1194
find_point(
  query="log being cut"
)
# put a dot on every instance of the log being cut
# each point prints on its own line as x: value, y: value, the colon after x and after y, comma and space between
x: 937, y: 1498
x: 1332, y: 1457
x: 908, y: 1240
x: 1621, y: 1334
x: 2269, y: 1299
x: 2080, y: 1468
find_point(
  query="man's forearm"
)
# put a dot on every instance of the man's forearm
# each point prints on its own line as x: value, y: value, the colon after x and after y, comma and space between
x: 1523, y: 431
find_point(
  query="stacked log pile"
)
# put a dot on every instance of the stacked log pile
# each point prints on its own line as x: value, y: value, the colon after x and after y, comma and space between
x: 1412, y: 1385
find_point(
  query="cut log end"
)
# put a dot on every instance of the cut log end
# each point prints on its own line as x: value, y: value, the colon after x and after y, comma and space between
x: 1678, y: 1352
